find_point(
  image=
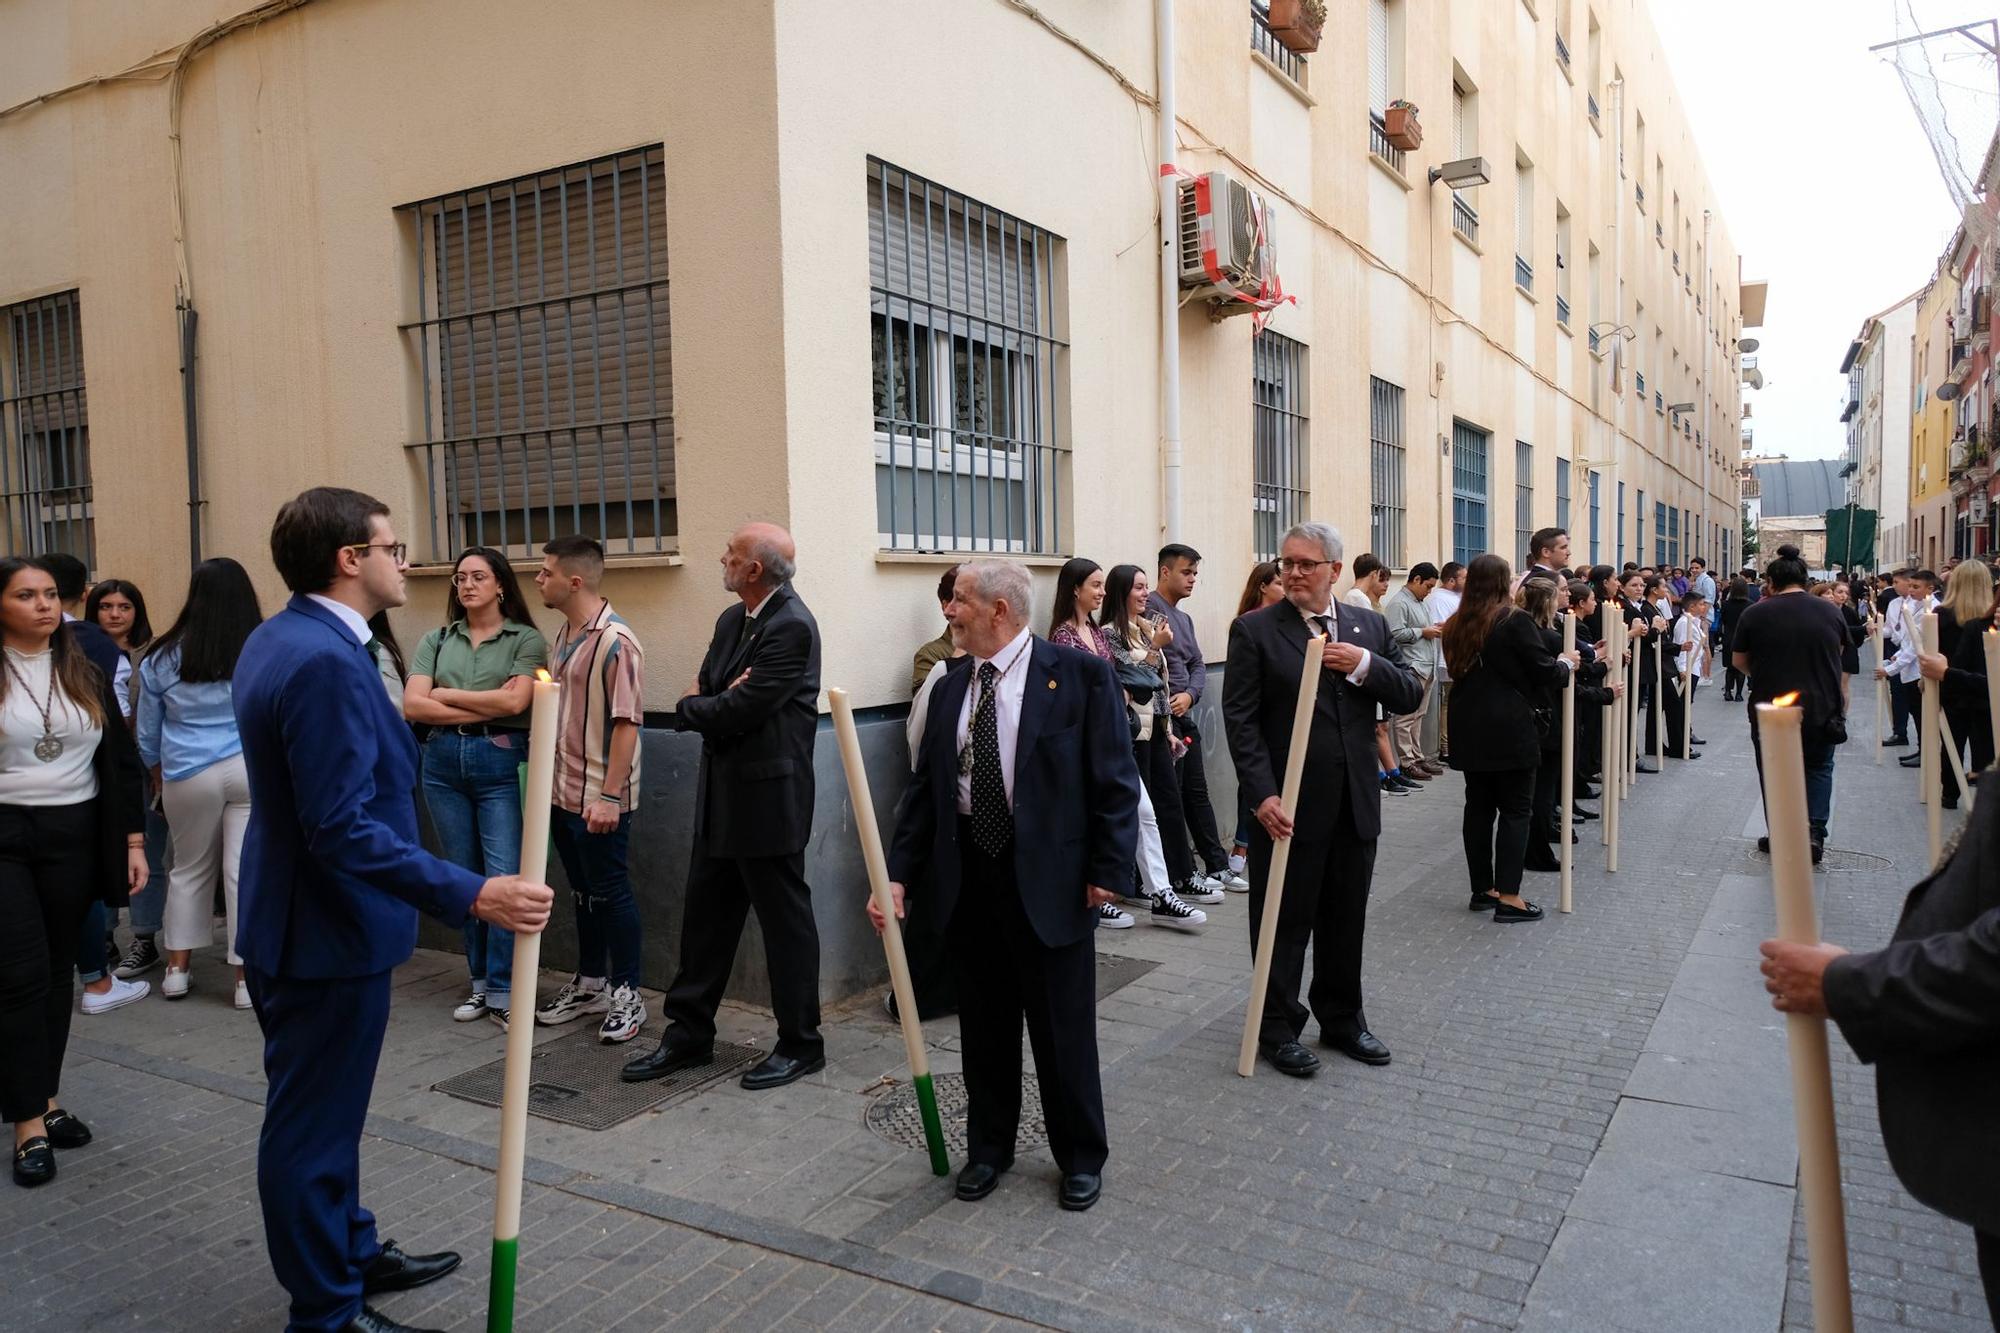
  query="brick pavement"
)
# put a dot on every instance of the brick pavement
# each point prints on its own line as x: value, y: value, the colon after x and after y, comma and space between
x: 1425, y: 1195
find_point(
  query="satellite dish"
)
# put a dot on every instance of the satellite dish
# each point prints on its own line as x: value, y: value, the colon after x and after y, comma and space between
x: 1946, y: 392
x: 1746, y: 345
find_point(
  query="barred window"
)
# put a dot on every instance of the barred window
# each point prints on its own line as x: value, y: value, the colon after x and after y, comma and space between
x: 1388, y: 511
x: 45, y: 460
x: 1468, y: 491
x: 1279, y: 483
x: 1619, y: 558
x: 1562, y: 494
x: 544, y: 341
x: 1596, y: 523
x: 969, y: 372
x: 1524, y: 498
x: 1659, y: 533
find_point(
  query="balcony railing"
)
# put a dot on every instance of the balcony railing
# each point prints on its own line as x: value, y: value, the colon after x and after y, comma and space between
x: 1463, y: 220
x: 1639, y: 381
x: 1288, y: 61
x: 1378, y: 142
x: 1659, y: 231
x: 1640, y: 192
x: 1590, y: 105
x: 1659, y: 403
x: 1562, y: 50
x: 1677, y: 261
x: 1524, y: 274
x: 1562, y: 310
x: 1593, y: 340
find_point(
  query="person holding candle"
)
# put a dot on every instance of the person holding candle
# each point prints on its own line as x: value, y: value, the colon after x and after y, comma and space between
x: 1644, y: 620
x: 1964, y: 618
x: 1690, y: 664
x: 118, y: 608
x: 1789, y: 642
x: 333, y: 876
x: 1903, y: 623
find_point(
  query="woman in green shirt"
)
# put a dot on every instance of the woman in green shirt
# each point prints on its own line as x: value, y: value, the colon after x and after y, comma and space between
x: 471, y: 682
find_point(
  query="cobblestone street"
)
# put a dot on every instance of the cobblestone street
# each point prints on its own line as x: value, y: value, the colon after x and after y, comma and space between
x: 1587, y: 1125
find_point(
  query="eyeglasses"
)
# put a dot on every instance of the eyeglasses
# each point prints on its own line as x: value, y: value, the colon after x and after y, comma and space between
x: 398, y: 551
x: 471, y: 578
x: 1301, y: 566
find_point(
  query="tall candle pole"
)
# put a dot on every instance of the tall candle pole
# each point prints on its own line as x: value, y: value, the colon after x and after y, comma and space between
x: 1614, y: 757
x: 1778, y: 733
x: 1568, y: 761
x: 1281, y: 853
x: 892, y: 930
x: 1633, y: 730
x: 1928, y: 770
x: 1659, y: 704
x: 1687, y: 696
x: 537, y: 796
x: 1881, y: 692
x: 1990, y: 641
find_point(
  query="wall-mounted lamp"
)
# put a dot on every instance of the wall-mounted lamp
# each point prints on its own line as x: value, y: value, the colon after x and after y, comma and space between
x: 1462, y: 174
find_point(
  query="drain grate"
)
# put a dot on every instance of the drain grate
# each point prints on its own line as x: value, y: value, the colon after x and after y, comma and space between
x: 574, y: 1080
x: 894, y: 1115
x: 1834, y: 859
x: 1115, y: 973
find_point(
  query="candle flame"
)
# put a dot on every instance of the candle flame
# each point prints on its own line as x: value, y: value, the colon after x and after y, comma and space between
x: 1785, y: 700
x: 542, y: 674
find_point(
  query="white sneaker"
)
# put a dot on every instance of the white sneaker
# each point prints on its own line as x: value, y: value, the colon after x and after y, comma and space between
x: 471, y: 1008
x: 121, y: 994
x: 573, y: 1001
x: 1231, y: 880
x: 1238, y: 863
x: 626, y: 1015
x: 1169, y: 910
x: 1112, y: 917
x: 175, y: 984
x: 242, y: 995
x: 1203, y: 889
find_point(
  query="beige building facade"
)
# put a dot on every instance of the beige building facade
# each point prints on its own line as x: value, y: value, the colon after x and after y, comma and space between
x: 887, y: 272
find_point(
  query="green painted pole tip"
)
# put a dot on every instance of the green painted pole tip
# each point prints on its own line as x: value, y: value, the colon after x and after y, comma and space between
x: 933, y: 1126
x: 500, y: 1292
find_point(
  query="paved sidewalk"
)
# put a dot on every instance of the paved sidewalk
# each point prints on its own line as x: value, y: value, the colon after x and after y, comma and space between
x: 1430, y: 1194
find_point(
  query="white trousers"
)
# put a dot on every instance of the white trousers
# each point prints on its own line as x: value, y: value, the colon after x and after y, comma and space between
x: 206, y: 817
x: 1152, y: 852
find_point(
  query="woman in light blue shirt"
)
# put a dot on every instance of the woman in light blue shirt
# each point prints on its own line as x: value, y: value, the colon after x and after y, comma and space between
x: 188, y: 738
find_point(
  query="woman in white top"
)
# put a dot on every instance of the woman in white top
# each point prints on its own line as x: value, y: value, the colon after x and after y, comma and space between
x: 72, y: 833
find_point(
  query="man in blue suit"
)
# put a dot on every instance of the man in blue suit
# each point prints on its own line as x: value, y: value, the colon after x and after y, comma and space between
x: 332, y: 879
x: 1021, y: 817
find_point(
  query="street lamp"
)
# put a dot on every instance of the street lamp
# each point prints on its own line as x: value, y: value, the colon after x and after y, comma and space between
x: 1462, y: 174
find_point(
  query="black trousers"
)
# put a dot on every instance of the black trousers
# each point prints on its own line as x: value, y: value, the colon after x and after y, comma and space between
x: 1905, y: 698
x: 1989, y: 1272
x: 1325, y: 903
x: 1648, y: 721
x: 48, y: 878
x: 1973, y: 732
x: 1676, y: 710
x: 1005, y: 975
x: 1155, y: 756
x: 1196, y: 809
x: 1497, y: 815
x: 1546, y: 825
x: 721, y: 892
x: 1734, y: 682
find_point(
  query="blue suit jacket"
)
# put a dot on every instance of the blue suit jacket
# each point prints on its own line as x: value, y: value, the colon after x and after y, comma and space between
x: 332, y: 868
x: 1076, y: 793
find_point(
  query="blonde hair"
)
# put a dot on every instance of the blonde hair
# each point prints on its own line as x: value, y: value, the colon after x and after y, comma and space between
x: 1968, y: 593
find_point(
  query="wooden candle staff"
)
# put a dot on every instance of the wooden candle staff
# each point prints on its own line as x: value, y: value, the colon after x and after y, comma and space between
x: 1881, y: 690
x: 1632, y: 728
x: 1779, y: 735
x: 537, y: 793
x: 1659, y: 704
x: 1568, y: 761
x: 1614, y: 757
x: 892, y: 930
x: 1281, y: 852
x: 1930, y: 741
x: 1990, y: 641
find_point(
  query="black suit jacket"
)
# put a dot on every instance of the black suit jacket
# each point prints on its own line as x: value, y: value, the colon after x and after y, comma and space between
x: 1076, y: 793
x: 1260, y: 690
x: 1926, y: 1012
x: 1493, y: 703
x: 754, y: 794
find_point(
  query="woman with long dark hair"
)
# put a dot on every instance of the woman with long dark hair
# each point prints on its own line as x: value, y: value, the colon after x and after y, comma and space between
x: 117, y: 607
x: 1262, y: 588
x: 72, y: 833
x: 187, y: 737
x: 1079, y: 596
x: 1500, y: 665
x: 471, y: 682
x: 1735, y: 599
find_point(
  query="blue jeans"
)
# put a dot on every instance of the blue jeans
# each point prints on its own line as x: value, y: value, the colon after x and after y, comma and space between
x: 93, y: 960
x: 607, y: 915
x: 472, y: 790
x: 1819, y: 782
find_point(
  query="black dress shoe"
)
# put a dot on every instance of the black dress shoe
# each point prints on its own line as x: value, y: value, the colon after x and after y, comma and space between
x: 374, y: 1321
x: 667, y: 1058
x: 1364, y: 1045
x: 1691, y: 754
x: 393, y: 1270
x: 1543, y: 864
x: 35, y: 1162
x: 65, y: 1130
x: 1290, y: 1057
x: 1890, y: 742
x: 1818, y: 850
x: 1586, y: 793
x: 1483, y: 902
x: 1079, y: 1190
x: 1509, y: 915
x: 1696, y: 740
x: 1912, y: 760
x: 1578, y: 812
x: 1764, y: 845
x: 978, y: 1180
x: 778, y: 1070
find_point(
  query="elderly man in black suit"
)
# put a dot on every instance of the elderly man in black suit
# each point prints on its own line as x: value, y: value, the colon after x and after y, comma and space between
x: 1340, y: 806
x: 1925, y: 1011
x: 1022, y: 816
x: 756, y: 706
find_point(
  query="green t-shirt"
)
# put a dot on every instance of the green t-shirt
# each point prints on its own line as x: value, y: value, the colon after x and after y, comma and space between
x: 447, y: 656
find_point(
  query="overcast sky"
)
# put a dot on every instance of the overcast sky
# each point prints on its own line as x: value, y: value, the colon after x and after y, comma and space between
x: 1827, y: 183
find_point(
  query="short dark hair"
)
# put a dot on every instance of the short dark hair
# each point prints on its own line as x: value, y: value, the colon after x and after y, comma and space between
x: 1544, y: 540
x: 1578, y: 590
x: 1451, y: 567
x: 585, y: 554
x: 313, y: 528
x: 69, y: 573
x: 1173, y: 551
x: 1697, y: 561
x: 1423, y: 569
x: 1629, y: 566
x: 1920, y: 575
x: 1366, y: 564
x: 946, y: 582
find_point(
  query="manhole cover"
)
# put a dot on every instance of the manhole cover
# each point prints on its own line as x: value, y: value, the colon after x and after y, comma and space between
x: 1115, y: 973
x: 574, y: 1080
x: 894, y: 1115
x: 1833, y: 859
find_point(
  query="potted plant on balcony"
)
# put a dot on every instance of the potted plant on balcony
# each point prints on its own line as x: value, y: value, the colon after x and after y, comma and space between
x: 1297, y: 23
x: 1399, y: 124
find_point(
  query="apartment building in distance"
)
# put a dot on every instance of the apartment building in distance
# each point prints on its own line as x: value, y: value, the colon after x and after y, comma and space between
x: 1877, y: 412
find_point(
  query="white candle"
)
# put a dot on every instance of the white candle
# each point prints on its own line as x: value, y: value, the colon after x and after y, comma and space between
x: 1990, y: 641
x: 1568, y: 760
x: 1930, y: 741
x: 1881, y: 691
x: 1783, y: 750
x: 1614, y: 761
x: 1659, y: 703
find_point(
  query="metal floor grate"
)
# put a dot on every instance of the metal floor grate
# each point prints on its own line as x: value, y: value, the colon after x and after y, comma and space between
x: 575, y: 1079
x: 894, y: 1115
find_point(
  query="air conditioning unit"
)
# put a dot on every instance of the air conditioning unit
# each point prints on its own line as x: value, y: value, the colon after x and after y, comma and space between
x: 1227, y: 251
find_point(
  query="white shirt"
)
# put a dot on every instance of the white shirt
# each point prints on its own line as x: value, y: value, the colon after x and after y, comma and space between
x: 25, y: 779
x: 357, y: 624
x: 1906, y: 624
x: 1358, y: 676
x: 761, y: 601
x: 1443, y: 604
x: 1012, y: 683
x: 1691, y: 637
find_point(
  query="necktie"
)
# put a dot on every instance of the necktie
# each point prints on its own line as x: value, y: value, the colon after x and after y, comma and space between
x: 992, y: 821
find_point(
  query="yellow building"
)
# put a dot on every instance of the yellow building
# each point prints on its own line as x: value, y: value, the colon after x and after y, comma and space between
x: 886, y: 271
x: 1932, y: 423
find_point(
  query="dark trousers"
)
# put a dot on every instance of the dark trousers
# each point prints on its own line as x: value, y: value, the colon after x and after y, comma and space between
x: 607, y: 915
x: 1648, y: 721
x: 1325, y: 903
x: 1589, y: 742
x: 1974, y: 735
x: 1155, y: 757
x: 1676, y: 710
x: 322, y: 1040
x: 1196, y: 808
x: 1989, y: 1272
x: 1005, y: 975
x: 1495, y: 828
x: 1905, y: 698
x: 48, y: 872
x: 721, y: 892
